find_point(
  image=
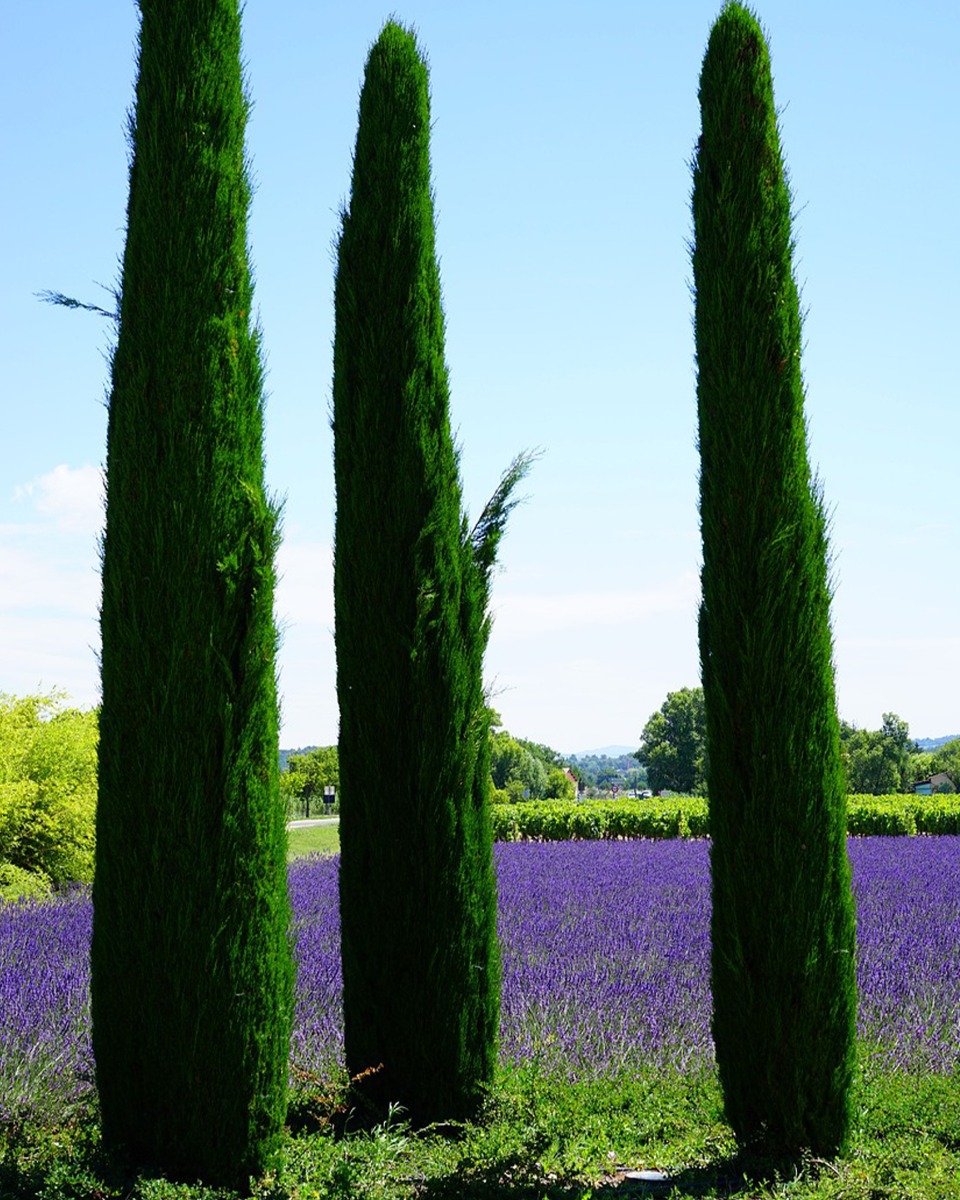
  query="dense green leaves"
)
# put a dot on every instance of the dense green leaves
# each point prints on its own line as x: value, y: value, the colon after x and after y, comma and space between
x: 673, y: 745
x: 303, y: 784
x: 48, y: 794
x: 191, y: 968
x: 879, y: 761
x: 411, y: 582
x: 515, y: 769
x: 688, y: 816
x: 783, y: 920
x: 946, y: 760
x: 559, y: 820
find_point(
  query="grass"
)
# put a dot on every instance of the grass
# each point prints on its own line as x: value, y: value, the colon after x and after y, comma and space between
x: 540, y: 1137
x: 314, y: 839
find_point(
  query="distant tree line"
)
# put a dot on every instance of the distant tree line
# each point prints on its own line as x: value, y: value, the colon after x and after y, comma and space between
x: 519, y: 769
x: 881, y: 762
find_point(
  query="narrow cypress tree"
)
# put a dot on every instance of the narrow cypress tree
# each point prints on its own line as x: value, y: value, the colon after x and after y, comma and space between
x: 783, y: 968
x: 417, y: 891
x: 192, y: 978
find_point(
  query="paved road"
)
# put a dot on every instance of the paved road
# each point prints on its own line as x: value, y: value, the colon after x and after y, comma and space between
x: 313, y: 821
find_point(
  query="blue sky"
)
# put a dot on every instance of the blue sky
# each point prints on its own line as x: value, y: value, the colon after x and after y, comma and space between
x: 561, y: 148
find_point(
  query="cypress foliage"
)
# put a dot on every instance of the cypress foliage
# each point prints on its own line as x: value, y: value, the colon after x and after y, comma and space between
x: 421, y: 969
x: 783, y: 921
x: 192, y: 977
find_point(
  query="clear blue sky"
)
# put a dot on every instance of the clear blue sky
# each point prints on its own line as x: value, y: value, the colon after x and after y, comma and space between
x: 561, y: 148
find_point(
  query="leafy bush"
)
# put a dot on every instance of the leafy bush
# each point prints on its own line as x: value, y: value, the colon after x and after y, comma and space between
x: 903, y: 814
x: 688, y: 816
x: 559, y: 820
x: 48, y: 794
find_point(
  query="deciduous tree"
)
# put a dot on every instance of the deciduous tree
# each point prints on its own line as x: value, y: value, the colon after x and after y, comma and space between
x: 48, y: 794
x: 673, y: 744
x: 309, y: 775
x: 783, y: 974
x: 947, y: 759
x: 878, y: 761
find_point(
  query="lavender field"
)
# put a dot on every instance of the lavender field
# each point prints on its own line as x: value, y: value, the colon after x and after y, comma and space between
x: 605, y: 964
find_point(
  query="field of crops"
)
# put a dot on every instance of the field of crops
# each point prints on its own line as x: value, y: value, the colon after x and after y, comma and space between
x: 605, y: 964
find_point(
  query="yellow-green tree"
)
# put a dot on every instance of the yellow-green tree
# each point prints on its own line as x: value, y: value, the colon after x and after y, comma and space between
x: 48, y: 794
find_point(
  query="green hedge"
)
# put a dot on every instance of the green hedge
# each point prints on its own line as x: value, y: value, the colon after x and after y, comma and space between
x: 560, y: 820
x: 687, y: 816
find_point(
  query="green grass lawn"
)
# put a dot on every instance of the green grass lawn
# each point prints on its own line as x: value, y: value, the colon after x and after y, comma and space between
x: 540, y: 1137
x: 315, y: 839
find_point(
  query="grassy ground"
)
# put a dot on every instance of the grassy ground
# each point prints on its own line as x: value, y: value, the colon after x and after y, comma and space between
x: 540, y: 1138
x: 314, y: 839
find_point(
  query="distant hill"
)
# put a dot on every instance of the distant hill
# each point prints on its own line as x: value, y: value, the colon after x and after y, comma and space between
x: 936, y: 743
x: 604, y: 752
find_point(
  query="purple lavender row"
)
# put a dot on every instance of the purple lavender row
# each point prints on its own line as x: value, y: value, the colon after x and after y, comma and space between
x: 605, y: 964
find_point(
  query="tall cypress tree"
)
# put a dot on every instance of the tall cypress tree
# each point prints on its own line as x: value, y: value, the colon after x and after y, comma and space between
x: 417, y: 891
x: 783, y: 968
x: 192, y: 978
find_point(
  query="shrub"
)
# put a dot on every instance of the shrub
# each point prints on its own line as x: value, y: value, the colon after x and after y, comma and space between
x: 48, y: 793
x: 689, y: 816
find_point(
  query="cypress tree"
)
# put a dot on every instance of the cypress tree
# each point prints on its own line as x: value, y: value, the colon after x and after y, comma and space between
x: 192, y: 978
x: 417, y: 890
x: 783, y: 969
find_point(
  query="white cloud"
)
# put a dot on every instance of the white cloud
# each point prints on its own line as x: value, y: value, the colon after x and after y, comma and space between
x: 71, y: 496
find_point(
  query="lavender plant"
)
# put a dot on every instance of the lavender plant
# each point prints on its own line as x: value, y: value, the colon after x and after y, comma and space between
x: 46, y: 1061
x: 605, y: 965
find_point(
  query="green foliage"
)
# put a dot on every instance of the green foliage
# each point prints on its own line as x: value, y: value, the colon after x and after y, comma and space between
x: 880, y: 761
x: 564, y: 820
x: 516, y: 769
x: 192, y: 976
x: 783, y: 931
x: 546, y: 754
x: 673, y: 745
x: 542, y: 1136
x: 48, y: 794
x: 946, y: 759
x: 688, y: 816
x: 307, y: 776
x: 411, y: 582
x: 900, y: 814
x: 521, y: 769
x: 559, y: 786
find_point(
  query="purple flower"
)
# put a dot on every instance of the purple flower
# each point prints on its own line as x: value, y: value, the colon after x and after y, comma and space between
x: 606, y: 964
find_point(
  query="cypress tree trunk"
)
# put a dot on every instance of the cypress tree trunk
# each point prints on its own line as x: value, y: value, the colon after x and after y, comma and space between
x: 783, y: 921
x: 192, y: 978
x: 417, y: 890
